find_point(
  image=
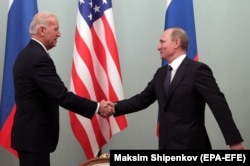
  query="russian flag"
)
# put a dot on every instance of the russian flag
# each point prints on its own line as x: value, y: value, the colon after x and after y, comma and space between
x: 180, y: 13
x: 20, y: 15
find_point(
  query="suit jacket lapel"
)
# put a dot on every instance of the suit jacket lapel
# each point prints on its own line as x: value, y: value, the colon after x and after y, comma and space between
x: 177, y: 78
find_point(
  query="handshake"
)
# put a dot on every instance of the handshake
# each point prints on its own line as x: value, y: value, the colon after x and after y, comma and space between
x: 106, y: 108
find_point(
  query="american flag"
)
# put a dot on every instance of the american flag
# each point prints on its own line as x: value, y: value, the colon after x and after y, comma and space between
x: 96, y: 73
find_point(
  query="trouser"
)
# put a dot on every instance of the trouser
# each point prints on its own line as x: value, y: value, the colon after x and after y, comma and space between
x: 33, y: 159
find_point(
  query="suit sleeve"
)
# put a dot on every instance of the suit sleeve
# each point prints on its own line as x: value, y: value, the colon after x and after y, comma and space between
x: 137, y: 102
x: 46, y: 77
x: 206, y: 85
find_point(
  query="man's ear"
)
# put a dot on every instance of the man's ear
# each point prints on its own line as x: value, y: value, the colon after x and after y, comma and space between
x: 41, y: 30
x: 177, y: 43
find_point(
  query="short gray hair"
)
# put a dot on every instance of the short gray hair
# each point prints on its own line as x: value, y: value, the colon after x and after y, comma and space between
x: 39, y: 20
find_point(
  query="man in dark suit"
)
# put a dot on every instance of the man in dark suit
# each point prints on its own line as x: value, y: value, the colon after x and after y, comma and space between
x: 38, y: 93
x: 182, y: 107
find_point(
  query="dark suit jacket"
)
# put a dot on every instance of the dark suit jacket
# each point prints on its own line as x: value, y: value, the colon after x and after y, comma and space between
x: 181, y: 112
x: 38, y: 93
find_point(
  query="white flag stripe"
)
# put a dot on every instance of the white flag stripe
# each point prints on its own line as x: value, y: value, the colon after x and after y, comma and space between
x: 10, y: 3
x: 115, y: 128
x: 81, y: 67
x: 72, y: 88
x: 104, y: 126
x: 115, y: 79
x: 87, y: 125
x: 83, y: 28
x: 168, y: 3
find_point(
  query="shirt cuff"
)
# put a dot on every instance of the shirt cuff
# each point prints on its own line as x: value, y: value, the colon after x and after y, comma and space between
x: 97, y: 108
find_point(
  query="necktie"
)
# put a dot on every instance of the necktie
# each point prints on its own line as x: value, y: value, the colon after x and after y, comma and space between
x: 167, y: 79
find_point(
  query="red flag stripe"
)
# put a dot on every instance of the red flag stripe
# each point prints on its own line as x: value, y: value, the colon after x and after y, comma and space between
x: 6, y: 132
x: 111, y: 43
x: 97, y: 130
x: 80, y: 132
x: 78, y: 83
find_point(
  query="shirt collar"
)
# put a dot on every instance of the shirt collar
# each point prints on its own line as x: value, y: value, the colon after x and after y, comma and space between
x: 40, y: 44
x: 176, y: 63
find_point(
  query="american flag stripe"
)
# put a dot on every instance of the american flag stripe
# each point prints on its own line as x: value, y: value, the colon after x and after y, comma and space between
x: 96, y: 73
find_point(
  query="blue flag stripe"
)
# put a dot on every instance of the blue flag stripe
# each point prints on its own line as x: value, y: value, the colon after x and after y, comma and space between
x: 181, y: 14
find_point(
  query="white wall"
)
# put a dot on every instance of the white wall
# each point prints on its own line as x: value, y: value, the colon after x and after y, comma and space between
x: 222, y: 38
